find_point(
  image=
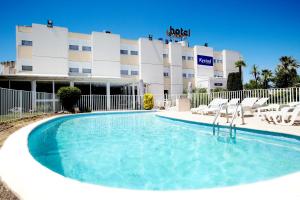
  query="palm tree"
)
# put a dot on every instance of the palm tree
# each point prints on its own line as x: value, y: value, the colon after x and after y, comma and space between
x: 255, y: 72
x: 239, y: 64
x: 266, y: 77
x: 286, y: 72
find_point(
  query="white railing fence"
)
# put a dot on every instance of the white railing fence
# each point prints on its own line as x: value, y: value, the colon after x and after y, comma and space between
x: 15, y: 104
x: 114, y: 102
x: 276, y: 96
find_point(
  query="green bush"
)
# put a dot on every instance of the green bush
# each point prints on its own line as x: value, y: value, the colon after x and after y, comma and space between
x: 68, y: 97
x: 234, y: 82
x: 148, y: 101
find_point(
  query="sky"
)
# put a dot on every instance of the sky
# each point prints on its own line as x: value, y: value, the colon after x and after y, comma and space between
x: 261, y: 30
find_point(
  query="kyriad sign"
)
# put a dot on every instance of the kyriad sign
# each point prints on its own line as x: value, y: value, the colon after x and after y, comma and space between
x: 205, y: 60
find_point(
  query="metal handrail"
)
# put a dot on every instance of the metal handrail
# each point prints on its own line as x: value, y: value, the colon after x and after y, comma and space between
x: 216, y: 117
x: 234, y: 117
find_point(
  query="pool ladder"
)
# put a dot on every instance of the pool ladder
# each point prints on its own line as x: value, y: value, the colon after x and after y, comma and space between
x: 232, y: 126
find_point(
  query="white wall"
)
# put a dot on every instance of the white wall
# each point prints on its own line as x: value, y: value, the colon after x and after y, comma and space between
x: 105, y: 54
x: 49, y: 50
x: 175, y: 59
x: 151, y: 64
x: 229, y: 58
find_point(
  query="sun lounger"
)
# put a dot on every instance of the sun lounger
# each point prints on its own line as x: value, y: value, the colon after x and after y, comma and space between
x: 286, y: 116
x: 247, y: 104
x: 214, y: 102
x: 215, y: 108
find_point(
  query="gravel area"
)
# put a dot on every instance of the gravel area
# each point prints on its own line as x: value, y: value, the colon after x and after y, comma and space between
x: 6, y: 129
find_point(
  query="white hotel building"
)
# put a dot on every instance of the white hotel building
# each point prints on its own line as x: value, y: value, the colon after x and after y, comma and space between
x: 48, y: 57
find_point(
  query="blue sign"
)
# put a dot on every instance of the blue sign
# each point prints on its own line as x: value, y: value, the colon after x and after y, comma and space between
x: 205, y: 60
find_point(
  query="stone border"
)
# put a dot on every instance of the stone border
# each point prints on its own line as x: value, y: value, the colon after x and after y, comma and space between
x: 28, y: 179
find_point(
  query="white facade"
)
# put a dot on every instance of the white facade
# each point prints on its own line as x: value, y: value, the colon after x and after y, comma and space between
x: 163, y: 67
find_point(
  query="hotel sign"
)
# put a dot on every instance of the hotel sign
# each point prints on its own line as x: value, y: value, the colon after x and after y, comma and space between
x: 178, y: 32
x: 205, y: 60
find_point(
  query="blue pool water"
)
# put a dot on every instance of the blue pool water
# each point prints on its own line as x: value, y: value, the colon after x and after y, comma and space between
x: 144, y: 151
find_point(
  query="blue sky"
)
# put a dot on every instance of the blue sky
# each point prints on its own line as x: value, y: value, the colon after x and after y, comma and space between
x: 261, y: 30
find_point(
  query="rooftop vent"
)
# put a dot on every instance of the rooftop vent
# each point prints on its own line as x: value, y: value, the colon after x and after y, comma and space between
x: 206, y: 44
x: 108, y: 32
x: 150, y: 37
x: 166, y: 41
x: 161, y: 39
x: 49, y: 23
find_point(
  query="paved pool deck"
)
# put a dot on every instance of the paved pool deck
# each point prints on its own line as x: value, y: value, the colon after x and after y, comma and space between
x: 251, y: 122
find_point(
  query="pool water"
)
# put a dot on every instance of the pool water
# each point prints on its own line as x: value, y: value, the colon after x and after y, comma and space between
x: 147, y: 152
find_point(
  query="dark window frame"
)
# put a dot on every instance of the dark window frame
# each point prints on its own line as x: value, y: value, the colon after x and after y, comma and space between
x: 26, y: 67
x: 26, y: 43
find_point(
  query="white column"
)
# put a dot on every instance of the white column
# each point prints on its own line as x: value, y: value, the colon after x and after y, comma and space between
x: 72, y: 83
x: 91, y: 100
x: 133, y: 96
x: 33, y: 92
x: 53, y: 96
x: 108, y: 95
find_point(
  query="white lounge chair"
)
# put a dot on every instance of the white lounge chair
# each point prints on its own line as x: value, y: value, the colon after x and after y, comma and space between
x: 284, y: 114
x: 271, y: 107
x: 247, y: 104
x: 215, y: 108
x: 214, y: 102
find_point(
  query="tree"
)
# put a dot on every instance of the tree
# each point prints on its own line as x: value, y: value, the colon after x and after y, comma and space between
x: 266, y: 78
x: 234, y: 82
x: 286, y: 72
x: 239, y: 64
x: 256, y: 75
x: 251, y: 85
x: 68, y: 97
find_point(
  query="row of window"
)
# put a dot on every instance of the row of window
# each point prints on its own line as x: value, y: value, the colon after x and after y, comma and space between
x: 76, y: 48
x: 183, y: 57
x: 218, y: 61
x: 187, y: 58
x: 184, y: 75
x: 126, y: 72
x: 76, y: 70
x: 126, y: 52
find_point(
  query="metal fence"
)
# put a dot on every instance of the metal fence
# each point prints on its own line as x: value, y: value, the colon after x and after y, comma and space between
x: 276, y: 95
x: 15, y: 104
x: 113, y: 102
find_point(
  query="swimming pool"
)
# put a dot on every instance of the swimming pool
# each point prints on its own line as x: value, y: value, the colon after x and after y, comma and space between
x: 146, y: 152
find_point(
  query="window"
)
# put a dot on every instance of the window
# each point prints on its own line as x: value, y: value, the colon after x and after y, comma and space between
x: 166, y: 74
x: 86, y: 70
x: 124, y: 72
x: 184, y: 75
x: 190, y: 58
x: 125, y: 52
x: 183, y: 58
x: 26, y: 43
x: 26, y: 68
x: 191, y: 75
x: 73, y: 70
x: 86, y: 48
x: 135, y: 53
x: 73, y: 47
x: 214, y: 60
x: 134, y: 73
x: 165, y: 55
